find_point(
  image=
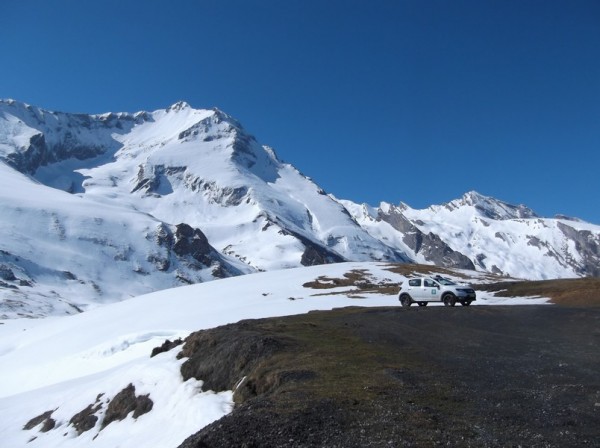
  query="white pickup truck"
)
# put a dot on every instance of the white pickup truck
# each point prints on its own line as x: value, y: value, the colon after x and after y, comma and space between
x: 422, y: 290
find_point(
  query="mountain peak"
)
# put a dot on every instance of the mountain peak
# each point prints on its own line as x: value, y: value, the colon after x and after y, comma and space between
x: 179, y: 105
x: 473, y: 197
x: 492, y: 208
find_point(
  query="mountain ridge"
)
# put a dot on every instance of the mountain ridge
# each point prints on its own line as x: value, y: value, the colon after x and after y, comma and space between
x: 180, y: 172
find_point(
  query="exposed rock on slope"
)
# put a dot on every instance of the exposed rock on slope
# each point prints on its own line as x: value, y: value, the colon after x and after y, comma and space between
x: 125, y: 190
x: 483, y: 233
x: 430, y: 246
x: 105, y: 410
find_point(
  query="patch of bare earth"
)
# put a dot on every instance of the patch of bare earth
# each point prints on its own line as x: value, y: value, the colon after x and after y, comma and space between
x: 359, y: 282
x: 409, y: 269
x: 394, y: 377
x: 573, y: 292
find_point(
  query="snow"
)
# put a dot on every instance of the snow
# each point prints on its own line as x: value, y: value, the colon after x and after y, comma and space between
x: 64, y: 363
x: 131, y: 174
x: 127, y: 175
x: 472, y: 234
x: 494, y: 235
x: 92, y: 248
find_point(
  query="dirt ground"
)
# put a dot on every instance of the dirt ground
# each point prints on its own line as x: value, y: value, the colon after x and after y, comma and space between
x: 393, y: 377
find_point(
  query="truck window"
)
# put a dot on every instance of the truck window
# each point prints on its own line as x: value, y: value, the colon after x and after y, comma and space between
x: 414, y: 282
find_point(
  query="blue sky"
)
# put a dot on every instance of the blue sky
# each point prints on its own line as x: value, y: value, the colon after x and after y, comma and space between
x: 417, y: 101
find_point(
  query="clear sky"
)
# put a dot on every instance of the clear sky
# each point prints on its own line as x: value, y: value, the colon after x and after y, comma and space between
x: 417, y: 101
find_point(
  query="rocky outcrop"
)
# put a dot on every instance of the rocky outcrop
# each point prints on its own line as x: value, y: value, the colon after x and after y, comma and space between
x: 125, y: 402
x: 225, y: 358
x: 166, y: 346
x: 190, y: 242
x: 86, y: 419
x: 6, y: 273
x: 429, y: 245
x: 189, y: 246
x: 44, y: 419
x: 156, y: 179
x: 215, y: 194
x: 40, y: 152
x: 587, y: 245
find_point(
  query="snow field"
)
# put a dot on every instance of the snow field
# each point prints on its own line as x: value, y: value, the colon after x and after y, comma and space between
x: 179, y: 408
x: 64, y: 363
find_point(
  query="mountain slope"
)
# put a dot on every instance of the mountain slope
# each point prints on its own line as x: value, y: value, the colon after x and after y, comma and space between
x: 138, y: 184
x: 62, y: 253
x: 183, y: 165
x: 71, y: 368
x: 97, y: 208
x: 483, y: 233
x: 63, y: 364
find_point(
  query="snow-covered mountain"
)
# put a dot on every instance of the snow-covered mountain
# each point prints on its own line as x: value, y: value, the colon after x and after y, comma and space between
x: 101, y: 207
x: 97, y: 208
x: 485, y: 234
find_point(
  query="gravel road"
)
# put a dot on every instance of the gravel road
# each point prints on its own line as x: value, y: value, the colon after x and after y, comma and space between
x: 433, y: 376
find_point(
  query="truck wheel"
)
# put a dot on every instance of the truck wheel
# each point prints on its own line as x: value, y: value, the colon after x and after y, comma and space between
x: 405, y: 300
x: 422, y: 303
x: 449, y: 299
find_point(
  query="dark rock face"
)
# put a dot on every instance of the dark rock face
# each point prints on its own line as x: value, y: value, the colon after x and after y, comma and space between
x: 147, y: 181
x: 7, y: 274
x: 167, y: 345
x: 429, y: 245
x: 39, y: 153
x: 46, y: 419
x: 223, y: 356
x: 187, y: 245
x: 125, y: 402
x: 314, y: 254
x: 216, y: 194
x: 64, y: 139
x: 154, y: 179
x: 192, y: 242
x: 32, y: 157
x: 86, y: 419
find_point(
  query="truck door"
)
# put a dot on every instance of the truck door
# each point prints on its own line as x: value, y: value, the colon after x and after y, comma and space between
x: 415, y: 289
x: 431, y: 290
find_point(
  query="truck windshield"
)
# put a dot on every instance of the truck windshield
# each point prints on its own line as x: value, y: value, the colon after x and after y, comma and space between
x: 445, y: 281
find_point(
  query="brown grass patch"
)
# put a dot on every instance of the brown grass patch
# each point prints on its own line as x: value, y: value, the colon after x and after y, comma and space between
x: 353, y: 278
x: 411, y: 269
x: 358, y: 280
x: 575, y: 292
